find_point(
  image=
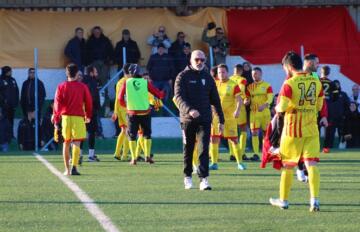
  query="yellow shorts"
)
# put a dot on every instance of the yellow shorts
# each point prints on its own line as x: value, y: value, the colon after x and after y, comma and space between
x: 260, y: 120
x: 292, y: 149
x: 230, y: 129
x: 241, y: 120
x: 73, y: 128
x: 122, y: 118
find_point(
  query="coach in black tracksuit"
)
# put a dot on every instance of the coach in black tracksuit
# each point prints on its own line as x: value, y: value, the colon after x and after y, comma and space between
x: 195, y: 93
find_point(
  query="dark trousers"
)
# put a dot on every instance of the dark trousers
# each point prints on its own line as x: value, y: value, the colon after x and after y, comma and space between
x: 91, y: 129
x: 138, y: 121
x: 193, y: 131
x: 330, y: 133
x: 9, y: 114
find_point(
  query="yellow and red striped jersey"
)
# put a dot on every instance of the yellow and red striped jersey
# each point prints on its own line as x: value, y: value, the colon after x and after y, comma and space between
x: 259, y: 94
x: 228, y: 91
x: 300, y: 98
x: 241, y: 81
x: 117, y: 106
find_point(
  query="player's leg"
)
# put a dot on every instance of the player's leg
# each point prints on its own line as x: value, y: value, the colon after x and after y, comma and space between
x: 91, y: 128
x: 195, y: 159
x: 290, y: 150
x: 254, y: 126
x: 75, y: 158
x: 78, y: 134
x: 242, y: 140
x: 311, y: 157
x: 237, y: 153
x: 132, y: 129
x: 125, y: 149
x: 66, y: 157
x: 145, y: 124
x: 189, y: 130
x: 204, y: 139
x: 214, y: 152
x: 120, y: 142
x: 139, y: 144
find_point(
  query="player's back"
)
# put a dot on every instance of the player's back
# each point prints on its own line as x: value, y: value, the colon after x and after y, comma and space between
x: 73, y: 95
x: 326, y: 85
x: 304, y: 100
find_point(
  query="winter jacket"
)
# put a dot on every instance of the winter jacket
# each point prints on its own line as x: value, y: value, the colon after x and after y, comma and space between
x: 9, y: 92
x: 99, y: 49
x: 132, y: 52
x: 92, y: 84
x: 161, y: 67
x: 75, y: 51
x: 196, y: 90
x: 27, y: 99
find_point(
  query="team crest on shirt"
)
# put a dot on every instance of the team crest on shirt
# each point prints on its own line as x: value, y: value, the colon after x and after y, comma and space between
x: 203, y: 81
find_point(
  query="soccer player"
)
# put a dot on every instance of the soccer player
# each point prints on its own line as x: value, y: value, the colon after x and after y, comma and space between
x: 300, y: 100
x: 73, y: 106
x: 259, y: 96
x: 120, y: 114
x: 230, y: 99
x: 136, y: 89
x: 241, y: 120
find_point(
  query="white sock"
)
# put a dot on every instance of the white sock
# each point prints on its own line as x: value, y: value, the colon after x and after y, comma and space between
x: 91, y: 152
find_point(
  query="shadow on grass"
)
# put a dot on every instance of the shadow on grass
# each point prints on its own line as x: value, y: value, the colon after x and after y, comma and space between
x: 183, y: 203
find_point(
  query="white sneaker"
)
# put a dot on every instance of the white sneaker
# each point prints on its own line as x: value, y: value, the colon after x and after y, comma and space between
x: 301, y: 176
x: 204, y: 184
x: 188, y: 182
x: 279, y: 203
x: 314, y: 205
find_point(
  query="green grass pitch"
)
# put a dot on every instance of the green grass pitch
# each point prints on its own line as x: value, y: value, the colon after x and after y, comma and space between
x: 152, y: 198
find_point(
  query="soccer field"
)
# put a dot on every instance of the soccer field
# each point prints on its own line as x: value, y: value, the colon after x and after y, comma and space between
x: 152, y: 198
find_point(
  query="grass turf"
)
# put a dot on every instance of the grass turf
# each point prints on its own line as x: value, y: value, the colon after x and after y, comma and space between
x: 152, y: 198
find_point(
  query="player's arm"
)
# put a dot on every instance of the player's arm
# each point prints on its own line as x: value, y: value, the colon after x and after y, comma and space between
x: 247, y: 96
x: 154, y: 91
x: 320, y: 99
x: 88, y: 104
x: 121, y: 96
x: 242, y: 86
x: 270, y: 96
x: 238, y: 99
x: 57, y: 106
x: 284, y: 98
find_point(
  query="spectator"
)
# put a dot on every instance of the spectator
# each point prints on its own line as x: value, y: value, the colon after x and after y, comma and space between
x: 75, y: 49
x: 161, y: 70
x: 338, y: 107
x: 26, y: 133
x: 100, y: 53
x: 177, y: 46
x: 351, y: 130
x: 5, y: 135
x: 247, y: 73
x: 132, y: 50
x: 326, y: 82
x: 158, y: 38
x: 47, y: 128
x: 27, y: 99
x: 9, y: 95
x: 183, y: 59
x: 219, y: 43
x: 355, y: 96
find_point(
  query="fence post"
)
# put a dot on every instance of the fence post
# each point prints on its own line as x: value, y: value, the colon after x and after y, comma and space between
x: 211, y: 56
x: 302, y: 51
x: 36, y: 100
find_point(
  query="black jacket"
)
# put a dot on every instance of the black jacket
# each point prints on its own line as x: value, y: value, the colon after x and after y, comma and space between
x: 5, y: 130
x: 99, y: 49
x: 26, y: 134
x: 27, y: 99
x: 92, y: 84
x: 181, y: 61
x: 338, y: 106
x: 161, y: 68
x: 9, y: 92
x: 75, y: 51
x: 196, y: 90
x: 132, y: 52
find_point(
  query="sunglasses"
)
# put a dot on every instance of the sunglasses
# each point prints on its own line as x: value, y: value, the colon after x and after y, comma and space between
x: 220, y: 32
x: 199, y: 59
x: 161, y: 31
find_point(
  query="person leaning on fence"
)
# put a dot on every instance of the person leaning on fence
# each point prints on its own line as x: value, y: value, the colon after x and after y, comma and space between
x: 73, y: 106
x: 99, y: 51
x: 75, y: 49
x: 132, y: 50
x: 27, y: 99
x: 137, y: 89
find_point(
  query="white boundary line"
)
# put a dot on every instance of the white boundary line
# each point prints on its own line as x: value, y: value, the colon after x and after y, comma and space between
x: 89, y: 203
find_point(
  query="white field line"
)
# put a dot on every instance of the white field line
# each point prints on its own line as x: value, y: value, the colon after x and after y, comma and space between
x: 89, y: 203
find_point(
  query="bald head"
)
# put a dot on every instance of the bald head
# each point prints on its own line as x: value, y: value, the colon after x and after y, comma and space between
x: 197, y: 60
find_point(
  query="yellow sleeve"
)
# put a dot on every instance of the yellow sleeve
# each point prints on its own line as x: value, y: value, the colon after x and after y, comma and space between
x: 117, y: 104
x: 320, y: 100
